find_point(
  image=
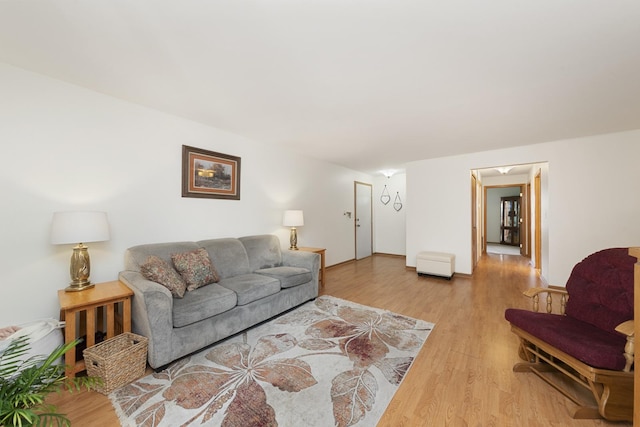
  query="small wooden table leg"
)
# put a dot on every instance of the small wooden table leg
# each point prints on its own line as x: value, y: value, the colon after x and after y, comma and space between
x: 91, y: 327
x: 110, y: 321
x: 69, y: 336
x: 126, y: 315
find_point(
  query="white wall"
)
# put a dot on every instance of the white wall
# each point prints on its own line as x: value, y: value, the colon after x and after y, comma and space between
x: 588, y: 202
x: 67, y: 148
x: 389, y: 224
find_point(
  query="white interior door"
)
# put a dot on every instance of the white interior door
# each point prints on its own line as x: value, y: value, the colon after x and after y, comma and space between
x: 364, y: 220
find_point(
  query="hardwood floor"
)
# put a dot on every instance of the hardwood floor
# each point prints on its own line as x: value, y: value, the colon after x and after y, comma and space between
x: 462, y: 376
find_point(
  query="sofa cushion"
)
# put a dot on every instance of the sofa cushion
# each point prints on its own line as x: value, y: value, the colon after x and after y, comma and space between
x: 579, y: 339
x: 159, y: 271
x: 196, y: 268
x: 228, y: 255
x: 251, y: 287
x: 201, y: 304
x: 263, y: 251
x: 288, y: 276
x: 601, y: 289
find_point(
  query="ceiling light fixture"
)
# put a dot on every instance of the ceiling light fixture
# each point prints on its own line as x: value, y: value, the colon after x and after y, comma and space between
x: 504, y: 169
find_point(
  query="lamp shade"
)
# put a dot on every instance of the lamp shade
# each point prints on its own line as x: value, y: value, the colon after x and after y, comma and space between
x: 293, y: 218
x: 79, y: 227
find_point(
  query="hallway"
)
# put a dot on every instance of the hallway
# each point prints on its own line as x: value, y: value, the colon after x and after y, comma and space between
x: 496, y: 248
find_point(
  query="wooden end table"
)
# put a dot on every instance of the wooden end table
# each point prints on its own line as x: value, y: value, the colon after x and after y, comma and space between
x: 320, y: 251
x: 93, y: 301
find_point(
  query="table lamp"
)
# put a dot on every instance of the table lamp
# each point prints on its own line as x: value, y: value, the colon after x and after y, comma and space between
x: 293, y: 219
x: 79, y: 228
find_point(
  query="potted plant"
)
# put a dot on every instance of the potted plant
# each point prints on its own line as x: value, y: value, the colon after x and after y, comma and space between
x: 24, y: 385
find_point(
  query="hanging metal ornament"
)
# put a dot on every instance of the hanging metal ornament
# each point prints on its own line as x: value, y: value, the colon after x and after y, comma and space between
x: 397, y: 204
x: 385, y: 197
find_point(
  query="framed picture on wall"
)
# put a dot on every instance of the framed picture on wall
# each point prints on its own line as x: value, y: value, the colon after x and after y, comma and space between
x: 208, y: 174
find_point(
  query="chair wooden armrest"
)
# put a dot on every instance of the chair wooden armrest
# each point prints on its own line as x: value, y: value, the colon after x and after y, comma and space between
x: 627, y: 329
x: 534, y: 293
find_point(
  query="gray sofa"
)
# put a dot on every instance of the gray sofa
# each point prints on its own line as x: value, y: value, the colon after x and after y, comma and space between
x: 257, y: 280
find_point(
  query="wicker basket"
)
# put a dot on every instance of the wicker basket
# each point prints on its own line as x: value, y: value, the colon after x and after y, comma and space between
x: 117, y: 361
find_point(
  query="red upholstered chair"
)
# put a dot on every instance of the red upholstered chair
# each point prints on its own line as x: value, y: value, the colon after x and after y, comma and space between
x: 590, y: 340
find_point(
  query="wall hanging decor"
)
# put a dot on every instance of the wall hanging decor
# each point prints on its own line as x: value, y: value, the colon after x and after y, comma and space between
x: 385, y: 197
x: 397, y: 203
x: 208, y: 174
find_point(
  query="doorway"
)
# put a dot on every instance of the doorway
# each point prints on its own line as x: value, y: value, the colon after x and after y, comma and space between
x: 538, y: 227
x: 474, y: 222
x: 503, y: 215
x: 364, y: 219
x: 526, y: 178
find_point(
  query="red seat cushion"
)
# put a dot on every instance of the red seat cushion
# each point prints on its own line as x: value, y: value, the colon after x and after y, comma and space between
x: 585, y: 342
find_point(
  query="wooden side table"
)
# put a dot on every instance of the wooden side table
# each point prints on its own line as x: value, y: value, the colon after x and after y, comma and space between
x: 106, y: 296
x: 320, y: 251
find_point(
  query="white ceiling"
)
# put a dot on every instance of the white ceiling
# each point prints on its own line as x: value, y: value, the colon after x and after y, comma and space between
x: 366, y: 84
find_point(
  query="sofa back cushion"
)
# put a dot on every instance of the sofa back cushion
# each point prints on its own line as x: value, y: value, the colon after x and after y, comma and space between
x: 601, y: 289
x: 135, y: 256
x: 263, y: 251
x: 228, y: 256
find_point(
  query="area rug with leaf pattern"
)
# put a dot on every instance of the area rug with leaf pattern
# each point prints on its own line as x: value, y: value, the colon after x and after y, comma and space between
x: 329, y: 362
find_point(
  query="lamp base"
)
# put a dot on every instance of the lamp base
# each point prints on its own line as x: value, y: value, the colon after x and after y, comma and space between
x: 80, y: 268
x: 74, y: 287
x: 293, y: 239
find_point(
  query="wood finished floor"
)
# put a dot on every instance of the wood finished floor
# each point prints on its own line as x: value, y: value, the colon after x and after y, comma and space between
x: 462, y: 376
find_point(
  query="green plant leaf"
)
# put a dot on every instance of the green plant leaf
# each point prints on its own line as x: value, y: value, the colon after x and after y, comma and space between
x: 24, y: 384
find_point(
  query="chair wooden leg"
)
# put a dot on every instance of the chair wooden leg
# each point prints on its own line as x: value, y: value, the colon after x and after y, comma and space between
x: 523, y: 353
x: 616, y: 402
x: 586, y: 413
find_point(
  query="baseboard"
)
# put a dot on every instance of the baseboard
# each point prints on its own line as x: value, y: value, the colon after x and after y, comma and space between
x: 375, y: 253
x: 389, y: 255
x: 340, y: 263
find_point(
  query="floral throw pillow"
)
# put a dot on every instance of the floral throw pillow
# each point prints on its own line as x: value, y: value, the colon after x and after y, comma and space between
x: 196, y: 268
x: 160, y: 271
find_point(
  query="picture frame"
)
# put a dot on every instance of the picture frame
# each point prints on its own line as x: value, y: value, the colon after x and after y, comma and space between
x: 208, y: 174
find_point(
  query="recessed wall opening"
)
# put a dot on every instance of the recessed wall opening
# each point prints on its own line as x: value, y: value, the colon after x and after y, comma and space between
x: 504, y: 207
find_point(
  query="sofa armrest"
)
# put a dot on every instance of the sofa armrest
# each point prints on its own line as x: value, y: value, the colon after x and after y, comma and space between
x: 151, y: 313
x: 534, y: 293
x: 302, y: 259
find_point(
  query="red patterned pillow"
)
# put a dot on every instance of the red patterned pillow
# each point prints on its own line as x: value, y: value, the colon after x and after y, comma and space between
x: 196, y: 268
x: 160, y: 271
